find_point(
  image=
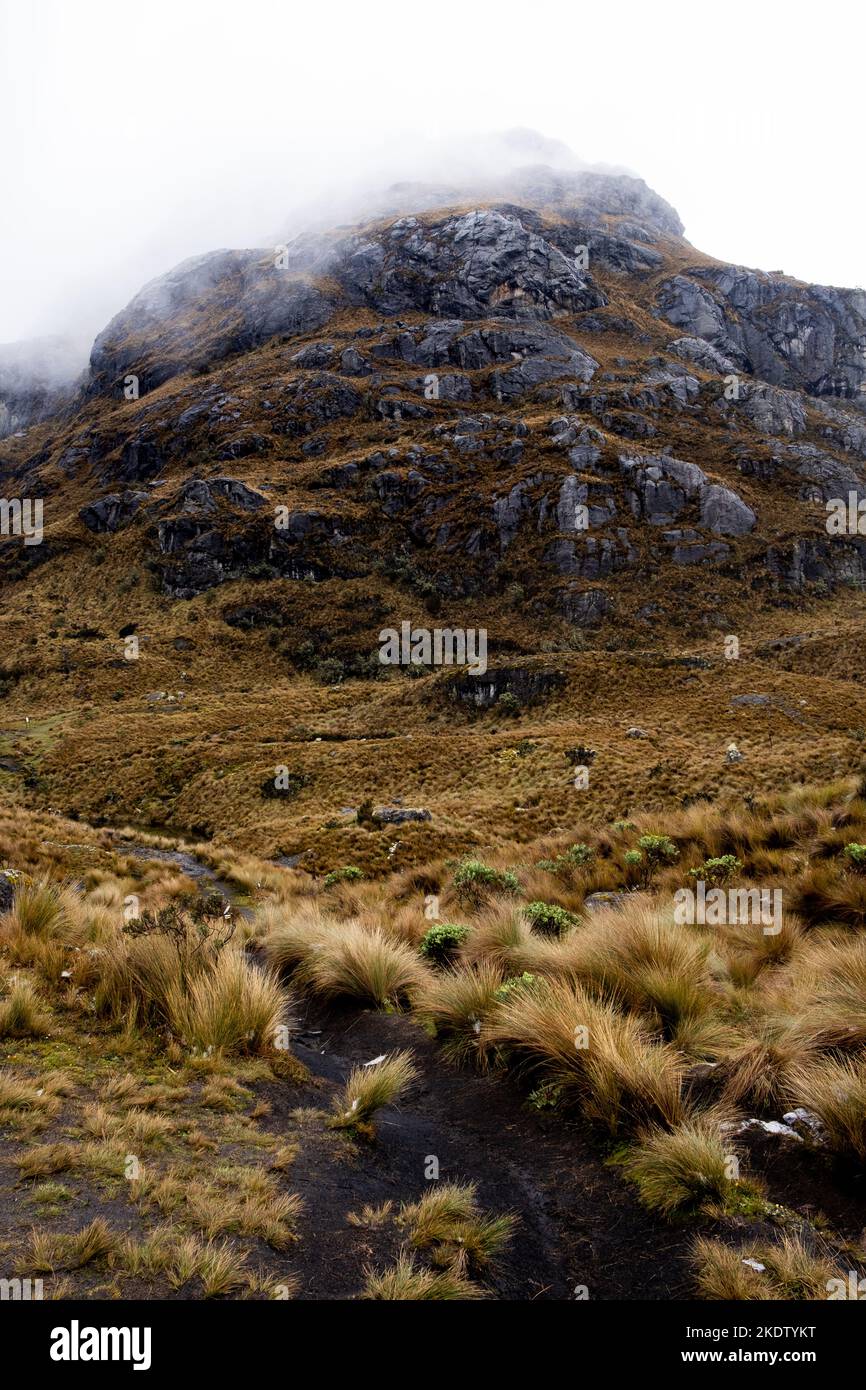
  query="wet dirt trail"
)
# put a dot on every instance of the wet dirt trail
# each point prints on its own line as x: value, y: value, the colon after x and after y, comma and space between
x: 579, y: 1222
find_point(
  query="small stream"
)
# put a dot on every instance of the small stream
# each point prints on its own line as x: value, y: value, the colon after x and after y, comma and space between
x: 203, y: 876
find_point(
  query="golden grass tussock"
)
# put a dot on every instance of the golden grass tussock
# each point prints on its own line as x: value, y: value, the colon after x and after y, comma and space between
x: 602, y: 1058
x: 458, y: 1003
x: 835, y: 1091
x: 761, y: 1270
x: 207, y: 993
x: 687, y: 1167
x: 351, y: 962
x: 449, y: 1224
x: 369, y: 1087
x: 22, y: 1011
x: 407, y: 1281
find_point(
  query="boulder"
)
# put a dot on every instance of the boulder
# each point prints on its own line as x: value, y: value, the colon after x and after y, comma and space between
x: 724, y: 512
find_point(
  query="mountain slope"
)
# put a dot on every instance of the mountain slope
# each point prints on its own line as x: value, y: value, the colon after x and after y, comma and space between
x: 531, y: 408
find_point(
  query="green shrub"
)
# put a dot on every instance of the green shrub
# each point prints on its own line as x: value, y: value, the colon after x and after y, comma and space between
x: 575, y: 857
x: 472, y: 877
x: 347, y: 875
x: 441, y: 943
x: 516, y: 982
x: 549, y: 918
x: 658, y: 850
x: 722, y: 870
x: 857, y: 856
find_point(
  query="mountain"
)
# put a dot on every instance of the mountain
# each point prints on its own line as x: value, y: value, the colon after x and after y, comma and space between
x: 37, y: 378
x: 526, y: 405
x: 335, y: 971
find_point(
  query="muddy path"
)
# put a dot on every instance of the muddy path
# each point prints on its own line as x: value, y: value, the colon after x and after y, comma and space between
x: 579, y: 1223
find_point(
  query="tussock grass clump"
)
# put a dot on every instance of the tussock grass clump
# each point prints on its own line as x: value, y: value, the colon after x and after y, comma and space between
x: 449, y: 1223
x: 21, y: 1094
x: 292, y: 938
x: 44, y: 1159
x: 367, y: 1089
x: 49, y: 1250
x: 836, y: 1092
x: 457, y: 1003
x: 232, y: 1199
x: 601, y: 1058
x: 22, y: 1012
x: 43, y: 908
x: 182, y: 1258
x: 230, y: 1008
x: 433, y: 1217
x: 683, y: 1168
x: 638, y: 956
x: 189, y: 978
x: 502, y: 936
x: 371, y: 1218
x: 351, y: 962
x: 746, y: 952
x: 758, y: 1073
x: 789, y: 1271
x: 827, y: 996
x: 406, y: 1281
x: 822, y: 895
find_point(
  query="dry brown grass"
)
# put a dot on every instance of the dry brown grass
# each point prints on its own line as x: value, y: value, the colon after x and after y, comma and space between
x: 351, y: 962
x: 602, y: 1058
x: 458, y: 1003
x: 790, y: 1270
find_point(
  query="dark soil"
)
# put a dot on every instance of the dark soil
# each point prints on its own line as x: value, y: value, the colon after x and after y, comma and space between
x: 579, y: 1224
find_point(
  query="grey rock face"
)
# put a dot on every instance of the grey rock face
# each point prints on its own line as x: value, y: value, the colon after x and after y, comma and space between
x: 807, y: 561
x: 529, y: 687
x: 688, y: 305
x: 140, y: 460
x: 658, y: 487
x: 310, y: 402
x: 772, y: 410
x: 586, y: 607
x: 200, y: 498
x: 703, y: 354
x: 401, y: 815
x: 687, y: 548
x: 825, y: 476
x: 112, y: 512
x: 844, y: 429
x: 593, y: 557
x: 469, y: 266
x: 508, y: 512
x: 806, y: 338
x: 397, y: 491
x: 578, y: 500
x: 180, y: 320
x: 724, y: 512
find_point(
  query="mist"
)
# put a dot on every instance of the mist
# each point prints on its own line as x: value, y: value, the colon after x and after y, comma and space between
x: 139, y: 136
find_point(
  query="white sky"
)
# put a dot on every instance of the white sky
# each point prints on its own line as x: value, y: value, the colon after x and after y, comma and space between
x: 136, y: 134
